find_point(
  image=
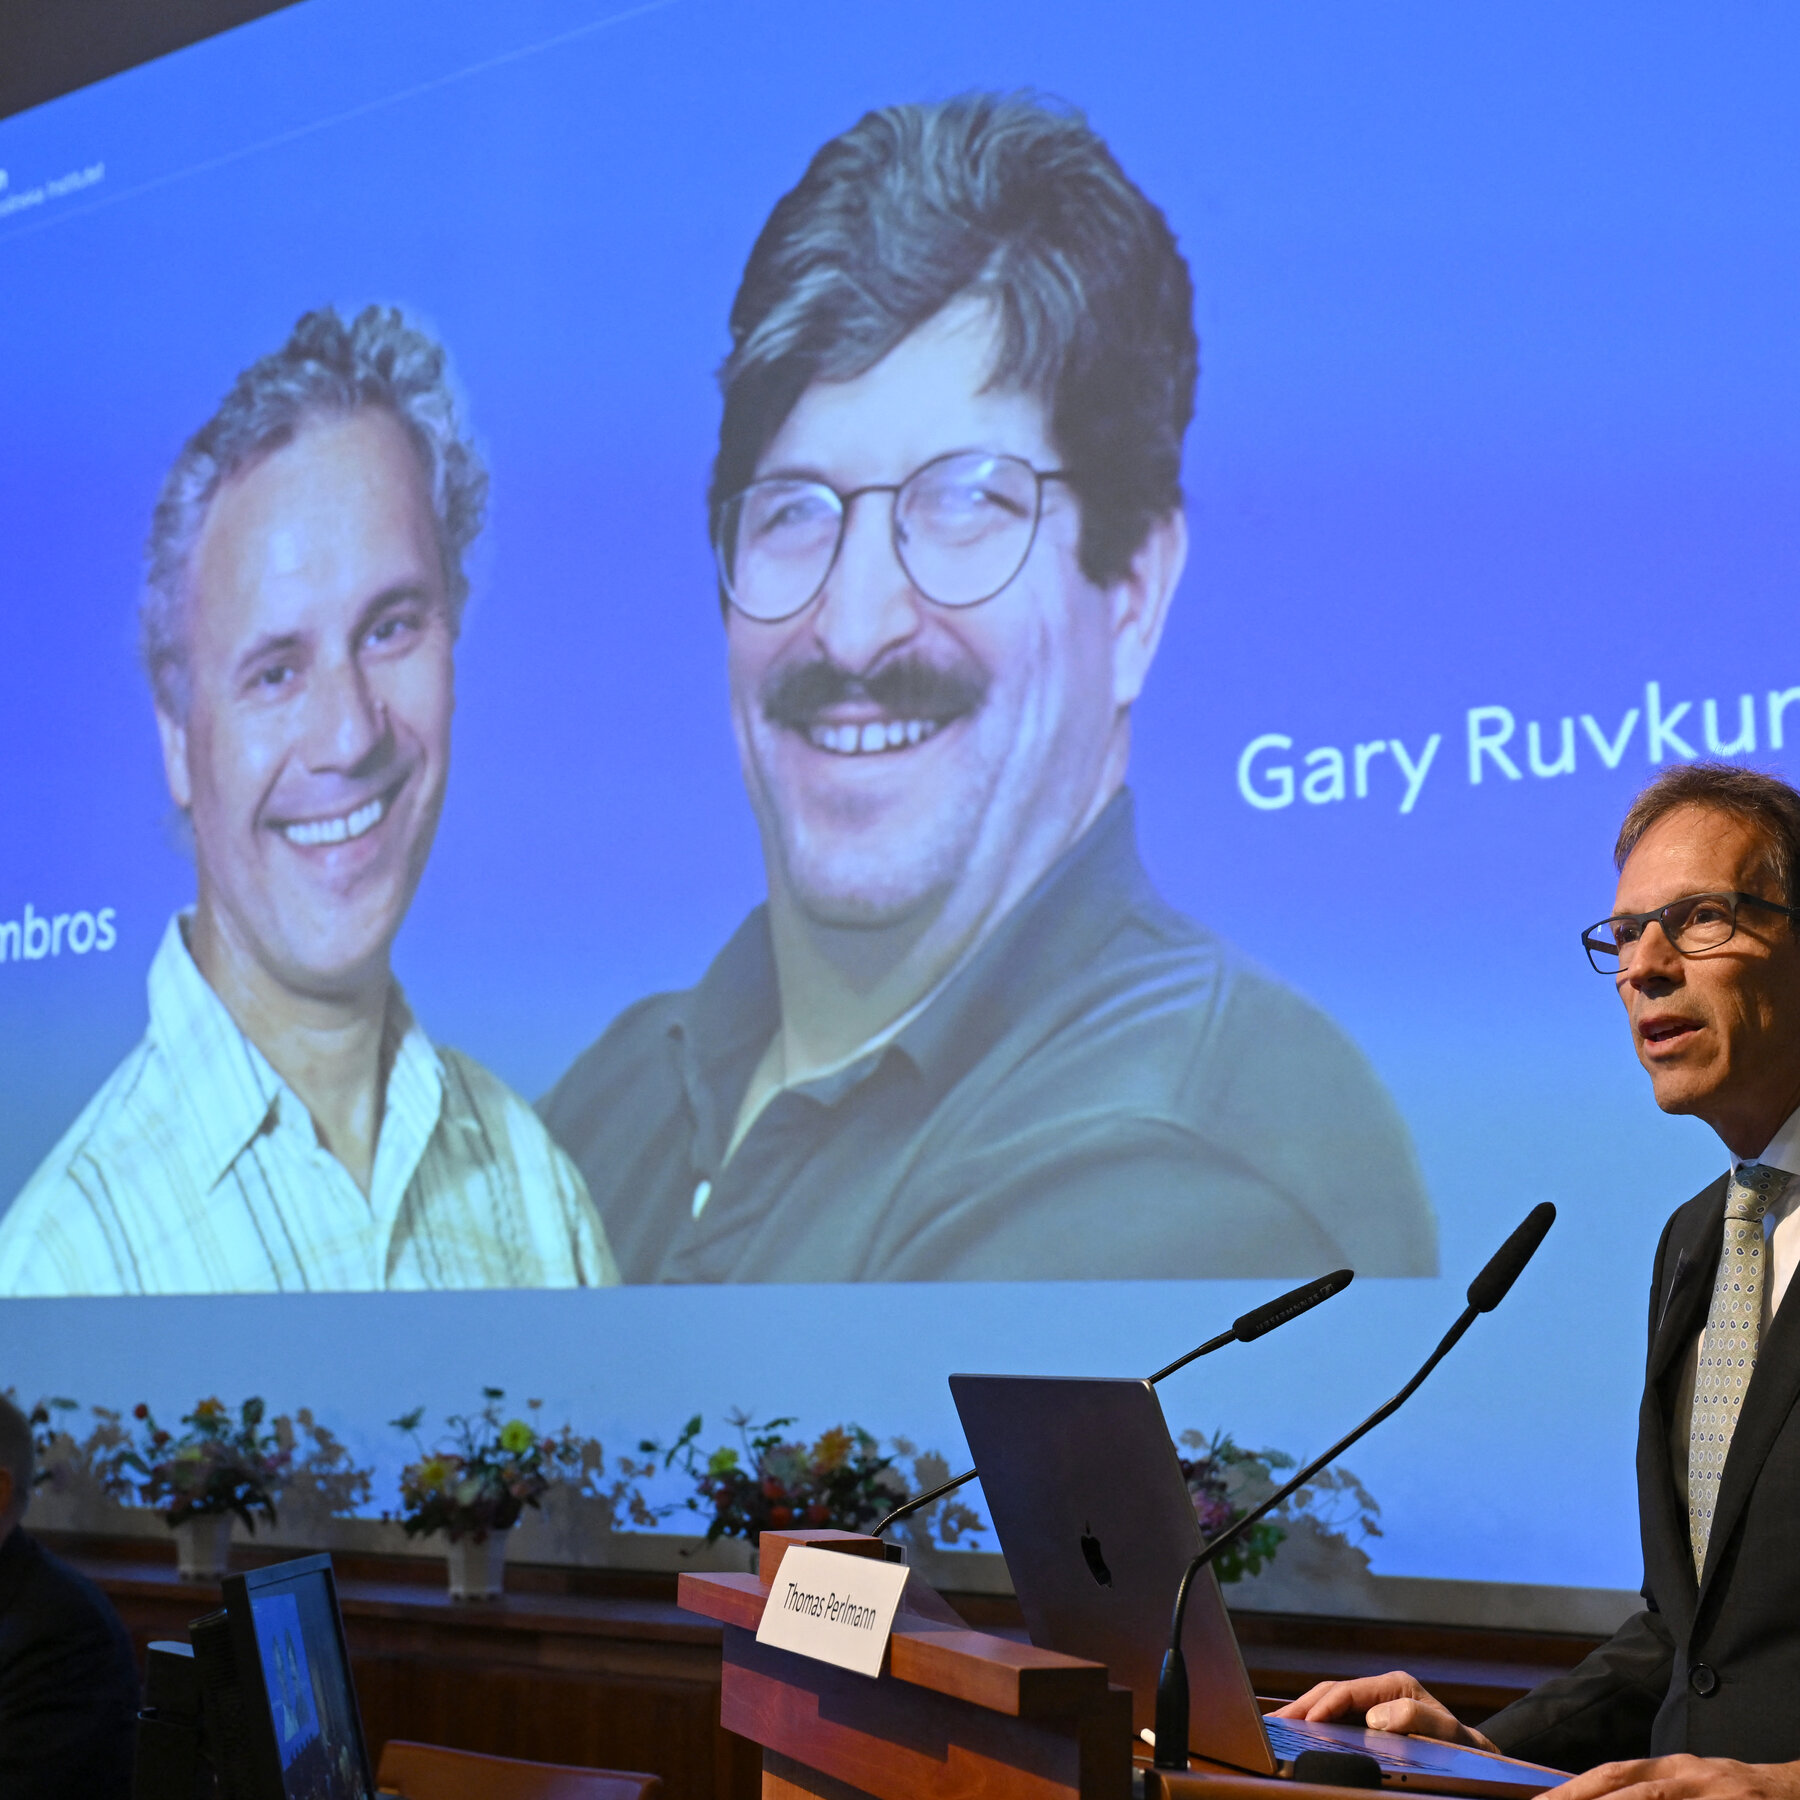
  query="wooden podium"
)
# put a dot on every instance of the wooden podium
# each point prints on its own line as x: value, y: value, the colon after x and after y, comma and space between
x: 954, y: 1713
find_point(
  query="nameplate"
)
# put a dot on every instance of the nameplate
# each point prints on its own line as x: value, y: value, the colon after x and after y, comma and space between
x: 832, y: 1607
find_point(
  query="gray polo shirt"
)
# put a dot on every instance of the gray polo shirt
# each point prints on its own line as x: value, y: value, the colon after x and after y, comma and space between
x: 1104, y: 1089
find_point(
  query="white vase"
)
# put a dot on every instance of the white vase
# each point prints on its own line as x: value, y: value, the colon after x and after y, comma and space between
x: 478, y: 1570
x: 203, y: 1547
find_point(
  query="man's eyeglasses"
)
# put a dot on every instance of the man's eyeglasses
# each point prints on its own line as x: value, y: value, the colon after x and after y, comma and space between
x: 1697, y: 922
x: 961, y: 527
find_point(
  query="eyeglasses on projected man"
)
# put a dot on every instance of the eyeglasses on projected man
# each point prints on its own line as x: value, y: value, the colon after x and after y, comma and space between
x: 961, y: 527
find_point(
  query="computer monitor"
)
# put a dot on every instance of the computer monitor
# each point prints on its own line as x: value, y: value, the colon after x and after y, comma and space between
x: 281, y: 1715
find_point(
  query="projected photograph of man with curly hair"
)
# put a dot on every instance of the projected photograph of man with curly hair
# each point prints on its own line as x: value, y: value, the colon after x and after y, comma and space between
x: 285, y: 1124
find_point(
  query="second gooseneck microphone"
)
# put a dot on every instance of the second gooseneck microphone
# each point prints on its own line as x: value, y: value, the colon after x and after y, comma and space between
x: 1486, y: 1292
x: 1245, y: 1329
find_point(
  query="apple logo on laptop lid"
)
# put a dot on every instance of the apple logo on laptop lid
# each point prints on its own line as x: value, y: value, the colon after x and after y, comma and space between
x: 1096, y: 1562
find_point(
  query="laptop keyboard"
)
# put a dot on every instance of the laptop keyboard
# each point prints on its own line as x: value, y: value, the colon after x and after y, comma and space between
x: 1288, y: 1737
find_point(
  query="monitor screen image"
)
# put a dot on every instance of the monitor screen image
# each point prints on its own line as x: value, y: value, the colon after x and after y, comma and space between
x: 287, y: 1675
x: 312, y: 1706
x: 713, y: 707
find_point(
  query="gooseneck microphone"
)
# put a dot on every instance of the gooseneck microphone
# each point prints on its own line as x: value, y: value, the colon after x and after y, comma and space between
x: 1261, y: 1320
x: 1245, y: 1329
x: 1486, y: 1292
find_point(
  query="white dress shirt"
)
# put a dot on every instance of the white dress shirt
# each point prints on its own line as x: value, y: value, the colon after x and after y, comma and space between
x: 1781, y: 1239
x: 197, y: 1170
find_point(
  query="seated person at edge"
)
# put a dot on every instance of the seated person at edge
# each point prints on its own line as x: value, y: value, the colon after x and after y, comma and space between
x: 68, y: 1678
x: 285, y: 1124
x: 1699, y: 1693
x: 965, y: 1037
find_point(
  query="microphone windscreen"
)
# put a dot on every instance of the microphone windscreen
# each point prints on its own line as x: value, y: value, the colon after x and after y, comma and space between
x: 1507, y: 1263
x: 1290, y: 1305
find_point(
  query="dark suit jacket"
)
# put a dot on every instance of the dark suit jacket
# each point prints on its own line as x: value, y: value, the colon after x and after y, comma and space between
x: 68, y: 1682
x: 1713, y: 1666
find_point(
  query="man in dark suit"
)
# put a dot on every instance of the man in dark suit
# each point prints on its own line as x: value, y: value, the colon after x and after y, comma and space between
x: 68, y: 1679
x: 1699, y: 1693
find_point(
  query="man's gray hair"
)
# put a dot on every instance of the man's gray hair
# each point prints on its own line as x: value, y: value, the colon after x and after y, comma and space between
x: 1006, y: 197
x: 326, y: 370
x: 16, y: 1457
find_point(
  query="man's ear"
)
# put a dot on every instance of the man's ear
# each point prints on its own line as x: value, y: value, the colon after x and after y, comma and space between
x: 175, y: 758
x: 1141, y: 603
x: 7, y: 1495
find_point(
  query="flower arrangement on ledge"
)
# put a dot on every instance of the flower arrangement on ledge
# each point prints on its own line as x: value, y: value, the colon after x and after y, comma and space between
x: 767, y: 1481
x: 491, y: 1469
x: 218, y: 1466
x: 311, y: 1475
x: 1227, y: 1481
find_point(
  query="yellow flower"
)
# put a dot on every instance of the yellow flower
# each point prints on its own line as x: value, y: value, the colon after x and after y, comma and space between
x: 432, y: 1473
x: 516, y: 1437
x: 832, y: 1450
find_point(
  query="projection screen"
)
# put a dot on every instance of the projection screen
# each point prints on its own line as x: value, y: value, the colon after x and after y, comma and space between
x: 938, y: 687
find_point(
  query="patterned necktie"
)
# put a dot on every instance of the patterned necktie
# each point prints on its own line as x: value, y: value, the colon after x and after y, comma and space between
x: 1728, y: 1350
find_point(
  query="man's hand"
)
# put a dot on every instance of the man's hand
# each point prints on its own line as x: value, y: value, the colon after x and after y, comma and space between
x: 1684, y: 1778
x: 1393, y: 1702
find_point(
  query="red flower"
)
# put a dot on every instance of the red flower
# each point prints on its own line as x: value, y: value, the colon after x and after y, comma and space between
x: 140, y: 1411
x: 818, y: 1513
x: 780, y: 1515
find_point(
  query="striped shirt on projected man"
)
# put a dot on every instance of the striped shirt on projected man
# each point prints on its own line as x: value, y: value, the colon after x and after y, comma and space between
x: 196, y: 1169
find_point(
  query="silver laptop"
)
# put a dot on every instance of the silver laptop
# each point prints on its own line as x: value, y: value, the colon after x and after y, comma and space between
x: 1096, y: 1524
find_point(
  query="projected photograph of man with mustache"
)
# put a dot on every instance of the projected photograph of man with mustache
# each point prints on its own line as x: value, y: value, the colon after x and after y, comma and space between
x: 965, y: 1038
x: 285, y: 1124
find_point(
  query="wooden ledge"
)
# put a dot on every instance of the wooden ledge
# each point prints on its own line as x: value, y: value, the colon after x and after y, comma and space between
x: 574, y: 1615
x: 997, y: 1674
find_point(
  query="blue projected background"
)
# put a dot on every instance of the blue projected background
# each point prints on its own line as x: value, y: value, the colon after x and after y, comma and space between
x: 1495, y: 466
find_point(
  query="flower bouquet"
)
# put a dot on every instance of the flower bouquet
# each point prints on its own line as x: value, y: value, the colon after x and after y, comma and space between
x: 77, y: 1476
x: 474, y: 1487
x: 1227, y: 1481
x: 216, y: 1470
x: 767, y: 1482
